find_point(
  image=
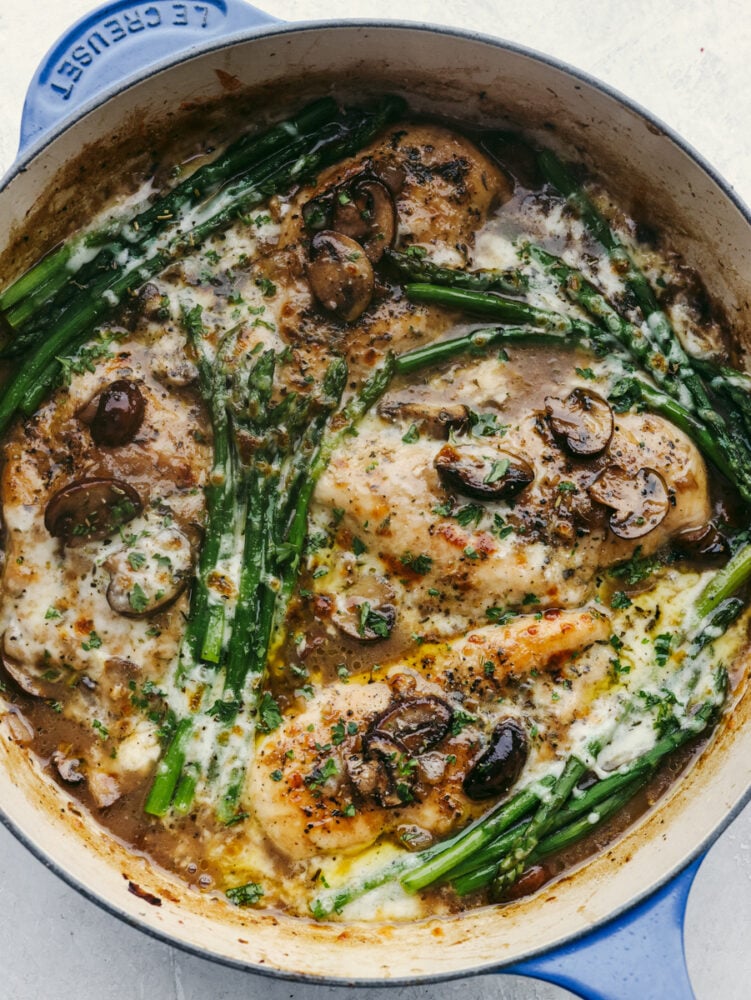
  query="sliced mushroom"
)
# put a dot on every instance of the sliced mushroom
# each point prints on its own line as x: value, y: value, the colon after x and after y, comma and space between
x: 365, y: 775
x: 501, y: 764
x: 639, y: 503
x: 119, y: 414
x: 582, y: 422
x: 361, y: 208
x: 365, y: 211
x: 365, y: 621
x: 67, y: 767
x: 91, y: 509
x: 144, y: 582
x: 433, y: 418
x: 38, y: 681
x: 340, y: 275
x: 414, y: 725
x: 482, y: 472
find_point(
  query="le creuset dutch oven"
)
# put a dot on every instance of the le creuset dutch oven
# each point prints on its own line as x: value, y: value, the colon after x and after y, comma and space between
x: 611, y: 930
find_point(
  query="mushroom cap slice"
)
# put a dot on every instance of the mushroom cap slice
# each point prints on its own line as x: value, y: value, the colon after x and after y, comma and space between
x: 582, y: 423
x: 501, y: 764
x: 366, y: 212
x: 414, y: 724
x: 639, y: 502
x: 482, y: 471
x: 142, y: 586
x: 340, y: 275
x: 91, y: 509
x: 119, y: 414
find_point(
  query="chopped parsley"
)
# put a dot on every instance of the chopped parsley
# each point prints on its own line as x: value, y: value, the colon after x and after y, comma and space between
x: 320, y: 775
x: 192, y: 321
x: 498, y: 470
x: 52, y: 613
x: 349, y: 810
x: 499, y: 616
x: 636, y: 569
x: 137, y: 598
x: 470, y: 513
x: 373, y: 621
x: 662, y: 644
x: 412, y: 435
x: 268, y: 288
x: 269, y: 716
x: 585, y: 373
x: 358, y: 546
x: 136, y: 560
x: 420, y: 564
x: 460, y: 720
x: 486, y: 425
x: 93, y: 642
x: 620, y: 600
x: 101, y: 729
x: 567, y: 487
x: 245, y: 895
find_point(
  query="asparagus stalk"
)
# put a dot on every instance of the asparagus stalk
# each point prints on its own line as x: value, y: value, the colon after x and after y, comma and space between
x: 491, y: 306
x: 687, y: 380
x: 45, y: 279
x: 73, y: 324
x: 417, y: 268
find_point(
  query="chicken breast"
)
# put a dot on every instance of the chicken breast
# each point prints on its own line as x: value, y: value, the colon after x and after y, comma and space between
x: 363, y: 759
x: 449, y: 553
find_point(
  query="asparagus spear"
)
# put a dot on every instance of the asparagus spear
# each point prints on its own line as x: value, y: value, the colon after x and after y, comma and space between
x: 686, y: 380
x: 76, y: 319
x: 492, y: 306
x: 415, y: 267
x: 44, y: 280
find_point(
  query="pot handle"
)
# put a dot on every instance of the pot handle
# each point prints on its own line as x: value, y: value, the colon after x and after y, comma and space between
x: 118, y: 40
x: 637, y: 956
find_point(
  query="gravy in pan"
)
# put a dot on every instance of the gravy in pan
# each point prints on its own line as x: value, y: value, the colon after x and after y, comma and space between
x: 437, y: 613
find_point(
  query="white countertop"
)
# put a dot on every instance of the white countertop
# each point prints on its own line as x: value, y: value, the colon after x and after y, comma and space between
x: 689, y: 62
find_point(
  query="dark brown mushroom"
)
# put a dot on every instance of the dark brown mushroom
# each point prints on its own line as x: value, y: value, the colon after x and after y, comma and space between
x: 582, y: 423
x: 91, y: 509
x: 432, y: 418
x: 364, y: 621
x: 500, y: 765
x: 414, y: 725
x: 119, y: 414
x: 340, y: 275
x: 365, y: 211
x: 482, y: 471
x: 639, y: 502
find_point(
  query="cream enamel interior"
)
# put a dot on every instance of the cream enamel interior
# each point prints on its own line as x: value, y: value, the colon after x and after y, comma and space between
x: 474, y: 81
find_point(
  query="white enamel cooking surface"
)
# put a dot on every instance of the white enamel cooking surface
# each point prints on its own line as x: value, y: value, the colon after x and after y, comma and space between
x: 596, y: 899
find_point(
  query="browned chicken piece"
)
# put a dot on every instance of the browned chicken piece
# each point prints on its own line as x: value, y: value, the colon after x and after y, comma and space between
x: 364, y: 759
x: 75, y: 508
x: 443, y: 189
x: 506, y: 518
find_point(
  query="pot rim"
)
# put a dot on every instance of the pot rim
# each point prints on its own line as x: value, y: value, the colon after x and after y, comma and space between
x: 24, y: 161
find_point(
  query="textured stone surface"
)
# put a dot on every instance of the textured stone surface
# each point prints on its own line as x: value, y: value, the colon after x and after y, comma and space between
x: 687, y: 61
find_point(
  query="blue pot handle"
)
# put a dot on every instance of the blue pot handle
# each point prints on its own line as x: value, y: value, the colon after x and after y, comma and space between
x: 637, y: 956
x: 118, y: 40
